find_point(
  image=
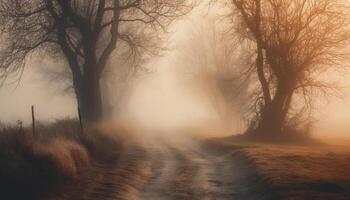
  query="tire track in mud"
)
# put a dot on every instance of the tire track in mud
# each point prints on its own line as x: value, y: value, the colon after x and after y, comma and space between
x: 123, y: 179
x: 162, y: 169
x: 171, y: 172
x: 119, y: 177
x: 184, y: 170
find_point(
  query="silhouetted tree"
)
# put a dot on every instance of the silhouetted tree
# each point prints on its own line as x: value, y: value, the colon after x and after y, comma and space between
x: 295, y: 39
x: 84, y: 32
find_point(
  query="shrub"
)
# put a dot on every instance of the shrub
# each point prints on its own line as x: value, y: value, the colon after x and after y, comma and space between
x: 41, y: 166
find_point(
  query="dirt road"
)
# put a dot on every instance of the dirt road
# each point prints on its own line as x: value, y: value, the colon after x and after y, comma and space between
x: 167, y: 168
x: 182, y: 169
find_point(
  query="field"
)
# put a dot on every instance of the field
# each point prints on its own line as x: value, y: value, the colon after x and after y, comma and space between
x: 295, y: 172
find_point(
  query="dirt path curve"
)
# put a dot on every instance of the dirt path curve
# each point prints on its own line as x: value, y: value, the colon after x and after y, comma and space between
x: 164, y: 168
x: 182, y: 169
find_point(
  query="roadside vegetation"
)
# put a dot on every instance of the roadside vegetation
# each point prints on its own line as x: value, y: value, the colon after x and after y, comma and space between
x: 59, y: 160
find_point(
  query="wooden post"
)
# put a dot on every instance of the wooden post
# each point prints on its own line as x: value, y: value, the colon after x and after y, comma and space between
x: 80, y: 121
x: 33, y: 120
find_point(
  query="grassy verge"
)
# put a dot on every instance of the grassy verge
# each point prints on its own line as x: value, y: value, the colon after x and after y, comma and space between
x: 295, y: 172
x: 60, y: 162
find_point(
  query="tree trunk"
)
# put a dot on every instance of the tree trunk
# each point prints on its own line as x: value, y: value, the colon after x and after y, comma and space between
x: 260, y: 56
x: 88, y: 93
x: 273, y: 117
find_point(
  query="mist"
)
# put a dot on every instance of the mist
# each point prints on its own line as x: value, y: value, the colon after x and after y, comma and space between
x: 174, y: 99
x: 166, y: 97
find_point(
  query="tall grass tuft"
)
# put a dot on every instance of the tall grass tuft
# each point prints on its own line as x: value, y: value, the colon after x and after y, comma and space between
x: 40, y: 166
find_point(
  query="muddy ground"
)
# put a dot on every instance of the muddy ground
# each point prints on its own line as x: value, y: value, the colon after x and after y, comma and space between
x: 162, y: 168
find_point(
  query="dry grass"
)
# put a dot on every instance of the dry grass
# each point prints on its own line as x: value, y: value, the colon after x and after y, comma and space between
x: 43, y: 165
x: 299, y: 172
x: 60, y: 162
x: 36, y: 167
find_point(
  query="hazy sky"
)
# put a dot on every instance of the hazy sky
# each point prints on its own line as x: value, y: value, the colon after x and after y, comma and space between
x: 156, y: 98
x: 49, y: 102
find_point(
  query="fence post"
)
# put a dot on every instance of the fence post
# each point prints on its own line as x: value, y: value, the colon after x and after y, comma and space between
x: 80, y: 121
x: 33, y: 120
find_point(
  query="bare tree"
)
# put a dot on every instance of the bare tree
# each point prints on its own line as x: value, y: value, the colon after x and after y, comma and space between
x: 295, y: 40
x: 84, y: 33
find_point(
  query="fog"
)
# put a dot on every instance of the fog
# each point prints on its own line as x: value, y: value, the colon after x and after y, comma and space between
x: 49, y: 101
x: 159, y: 99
